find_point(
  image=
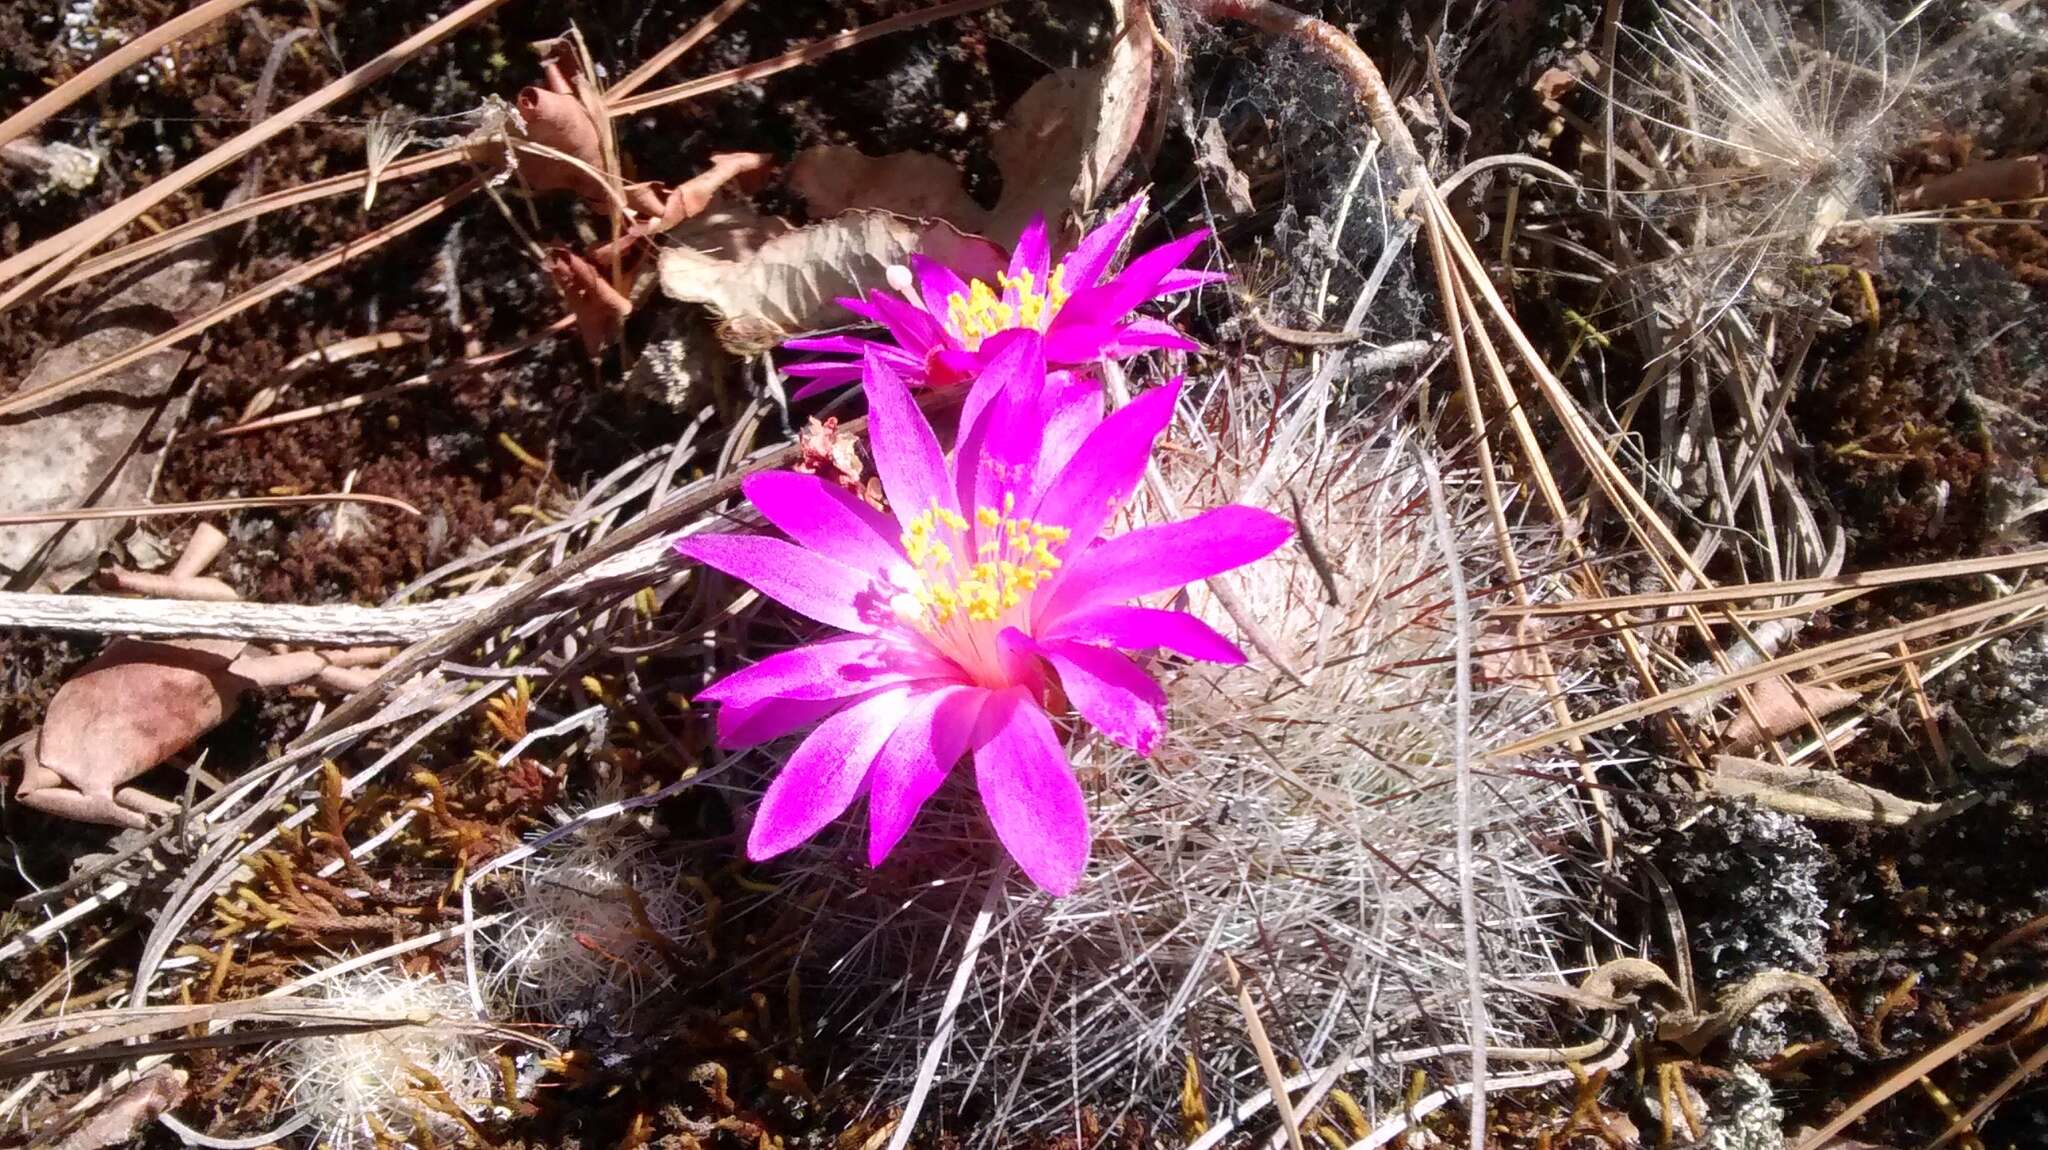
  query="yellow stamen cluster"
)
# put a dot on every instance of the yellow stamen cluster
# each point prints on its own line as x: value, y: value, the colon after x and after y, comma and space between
x: 1013, y: 556
x: 983, y: 311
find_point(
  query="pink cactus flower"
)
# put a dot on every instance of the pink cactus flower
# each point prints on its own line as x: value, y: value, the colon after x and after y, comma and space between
x: 985, y: 582
x: 941, y: 325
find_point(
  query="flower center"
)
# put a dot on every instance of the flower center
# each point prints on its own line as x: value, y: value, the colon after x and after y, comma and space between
x: 974, y: 572
x: 1016, y: 301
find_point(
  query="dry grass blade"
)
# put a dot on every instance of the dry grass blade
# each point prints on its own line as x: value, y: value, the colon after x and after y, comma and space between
x: 1269, y: 1060
x: 58, y: 248
x: 1814, y: 657
x: 75, y: 242
x: 329, y: 624
x: 26, y: 1044
x: 226, y: 218
x: 202, y: 507
x: 1857, y: 581
x: 425, y: 379
x: 1913, y: 1071
x: 942, y: 1037
x: 1468, y: 903
x: 797, y: 58
x: 1967, y: 1121
x: 113, y: 64
x: 300, y: 273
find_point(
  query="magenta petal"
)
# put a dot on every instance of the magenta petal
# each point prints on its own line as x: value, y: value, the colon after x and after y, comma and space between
x: 1112, y: 692
x: 1164, y: 556
x: 861, y: 307
x: 1031, y: 255
x: 823, y: 384
x: 1186, y: 279
x: 827, y: 519
x: 1018, y: 656
x: 825, y: 774
x: 1075, y: 402
x: 907, y: 455
x: 1029, y: 791
x: 827, y: 669
x: 770, y: 719
x: 1107, y: 468
x: 913, y: 327
x: 1009, y: 364
x: 998, y: 454
x: 917, y: 759
x: 1084, y: 266
x: 1142, y: 333
x: 832, y: 370
x: 904, y: 363
x: 841, y: 344
x: 1138, y: 282
x: 1138, y: 628
x: 1077, y: 343
x: 803, y: 581
x: 937, y: 284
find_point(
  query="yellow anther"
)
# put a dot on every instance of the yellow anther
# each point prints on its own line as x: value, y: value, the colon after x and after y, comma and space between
x: 983, y: 311
x: 1012, y: 557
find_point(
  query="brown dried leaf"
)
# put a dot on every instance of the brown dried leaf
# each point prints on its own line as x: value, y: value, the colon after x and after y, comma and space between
x: 600, y: 309
x: 559, y: 120
x: 790, y: 283
x: 1555, y: 84
x: 834, y: 179
x: 1058, y: 145
x: 689, y: 199
x: 1779, y: 711
x: 138, y: 704
x: 1820, y: 795
x: 1065, y: 138
x: 106, y: 445
x: 728, y: 229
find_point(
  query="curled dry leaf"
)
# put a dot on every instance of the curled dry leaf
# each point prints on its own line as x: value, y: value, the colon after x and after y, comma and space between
x: 1621, y: 981
x: 791, y: 282
x: 143, y: 701
x: 690, y: 198
x: 600, y: 309
x: 1624, y: 979
x: 558, y: 120
x: 1781, y: 708
x: 1694, y: 1032
x: 102, y: 446
x: 1822, y: 795
x: 1059, y: 144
